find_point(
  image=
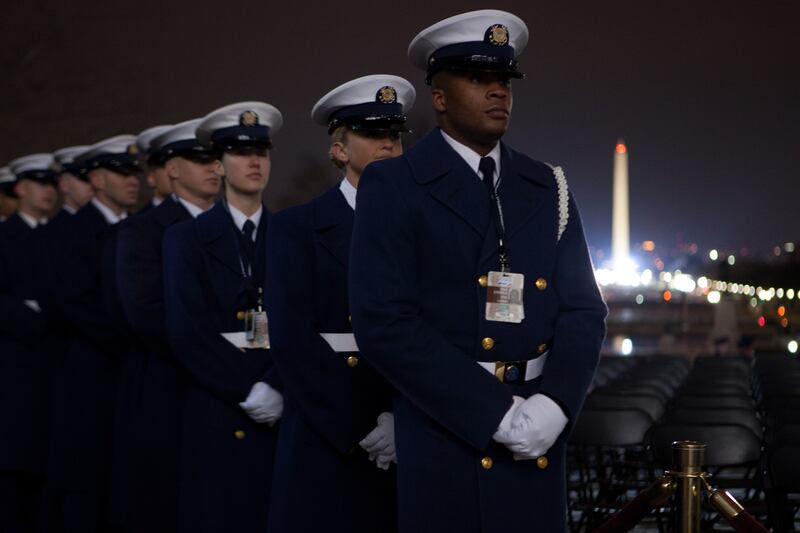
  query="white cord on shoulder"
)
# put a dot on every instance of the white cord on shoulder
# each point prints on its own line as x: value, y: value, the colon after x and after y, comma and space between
x: 563, y: 199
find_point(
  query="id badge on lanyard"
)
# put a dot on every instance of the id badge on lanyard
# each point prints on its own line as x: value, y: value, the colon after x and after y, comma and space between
x: 504, y: 289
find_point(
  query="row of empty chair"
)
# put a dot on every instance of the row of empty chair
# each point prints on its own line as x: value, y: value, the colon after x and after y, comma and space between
x: 746, y: 412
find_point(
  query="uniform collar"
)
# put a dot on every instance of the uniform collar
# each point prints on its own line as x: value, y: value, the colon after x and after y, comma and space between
x: 30, y: 221
x: 193, y: 209
x: 155, y: 202
x: 110, y: 216
x: 473, y: 158
x: 69, y: 209
x: 349, y: 193
x: 239, y: 218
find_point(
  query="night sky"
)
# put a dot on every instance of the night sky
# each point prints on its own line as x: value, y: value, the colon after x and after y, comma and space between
x: 706, y: 94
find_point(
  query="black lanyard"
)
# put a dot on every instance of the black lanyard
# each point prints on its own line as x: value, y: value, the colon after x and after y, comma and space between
x: 500, y: 227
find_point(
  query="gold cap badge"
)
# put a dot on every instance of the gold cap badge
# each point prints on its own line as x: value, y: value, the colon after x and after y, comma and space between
x: 248, y: 118
x: 133, y: 149
x: 387, y: 95
x: 498, y: 34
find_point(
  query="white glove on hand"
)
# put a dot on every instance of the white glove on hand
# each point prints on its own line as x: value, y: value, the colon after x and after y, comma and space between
x: 379, y: 444
x: 264, y: 404
x: 534, y: 426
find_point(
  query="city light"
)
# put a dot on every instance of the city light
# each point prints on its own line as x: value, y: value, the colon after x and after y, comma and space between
x: 762, y: 321
x: 648, y: 246
x: 731, y: 260
x: 639, y: 299
x: 792, y: 346
x: 714, y: 297
x: 627, y: 346
x: 713, y: 255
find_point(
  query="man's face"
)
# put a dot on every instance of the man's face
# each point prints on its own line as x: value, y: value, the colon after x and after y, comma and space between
x: 247, y: 169
x: 121, y: 189
x: 476, y: 106
x: 76, y: 191
x: 200, y: 178
x: 38, y: 197
x: 362, y: 148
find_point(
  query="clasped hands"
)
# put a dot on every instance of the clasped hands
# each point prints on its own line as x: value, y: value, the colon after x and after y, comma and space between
x: 530, y: 427
x: 264, y: 404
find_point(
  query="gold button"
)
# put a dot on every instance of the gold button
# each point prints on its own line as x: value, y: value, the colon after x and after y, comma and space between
x: 240, y: 315
x: 352, y: 361
x: 542, y: 462
x: 487, y: 463
x: 487, y: 343
x: 239, y: 434
x: 542, y: 348
x: 541, y: 284
x: 350, y: 319
x: 483, y: 281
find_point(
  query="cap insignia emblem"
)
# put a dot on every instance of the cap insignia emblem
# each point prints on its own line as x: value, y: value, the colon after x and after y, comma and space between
x: 387, y: 95
x: 133, y: 149
x: 498, y: 34
x: 248, y: 118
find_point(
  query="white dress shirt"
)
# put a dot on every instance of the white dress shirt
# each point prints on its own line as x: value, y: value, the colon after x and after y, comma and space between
x: 110, y: 216
x: 193, y: 209
x: 239, y: 218
x: 349, y: 193
x: 473, y: 158
x: 30, y: 221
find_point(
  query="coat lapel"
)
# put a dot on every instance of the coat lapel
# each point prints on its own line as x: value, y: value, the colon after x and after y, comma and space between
x: 452, y: 182
x: 169, y: 212
x: 522, y: 191
x: 216, y: 233
x: 333, y: 224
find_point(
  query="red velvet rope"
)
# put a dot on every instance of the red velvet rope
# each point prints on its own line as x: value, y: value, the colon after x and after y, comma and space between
x: 745, y: 523
x: 627, y: 517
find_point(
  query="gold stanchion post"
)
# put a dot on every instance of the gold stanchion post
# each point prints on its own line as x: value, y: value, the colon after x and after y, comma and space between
x: 688, y: 457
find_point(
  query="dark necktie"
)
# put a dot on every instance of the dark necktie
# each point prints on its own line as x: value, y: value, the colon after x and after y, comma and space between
x: 247, y: 241
x: 486, y: 167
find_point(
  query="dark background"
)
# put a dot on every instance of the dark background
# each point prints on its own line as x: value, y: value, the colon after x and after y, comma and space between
x: 706, y: 93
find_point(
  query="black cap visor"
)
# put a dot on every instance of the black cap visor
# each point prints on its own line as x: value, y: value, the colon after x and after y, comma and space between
x: 474, y: 63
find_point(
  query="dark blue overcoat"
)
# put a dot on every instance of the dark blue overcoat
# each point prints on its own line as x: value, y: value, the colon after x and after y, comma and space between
x: 423, y: 237
x: 151, y: 384
x: 24, y: 365
x: 226, y: 457
x: 329, y: 405
x: 83, y: 285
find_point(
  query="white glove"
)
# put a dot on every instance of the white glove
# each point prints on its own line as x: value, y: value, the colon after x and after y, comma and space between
x: 531, y: 427
x: 33, y: 305
x: 379, y: 444
x: 264, y: 404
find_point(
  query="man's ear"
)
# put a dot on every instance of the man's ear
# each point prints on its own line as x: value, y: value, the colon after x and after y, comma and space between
x: 439, y: 99
x: 21, y: 188
x: 338, y: 152
x: 171, y: 167
x: 97, y: 178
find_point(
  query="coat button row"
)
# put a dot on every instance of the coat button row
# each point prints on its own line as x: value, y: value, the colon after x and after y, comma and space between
x: 352, y: 361
x: 240, y: 315
x: 487, y: 343
x: 541, y: 462
x: 239, y: 434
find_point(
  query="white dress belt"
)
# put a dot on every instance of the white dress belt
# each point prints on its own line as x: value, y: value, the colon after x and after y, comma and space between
x: 340, y: 342
x: 239, y: 340
x: 533, y: 368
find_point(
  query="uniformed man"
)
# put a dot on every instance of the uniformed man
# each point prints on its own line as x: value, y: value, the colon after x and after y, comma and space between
x: 8, y: 200
x: 156, y: 177
x: 442, y: 236
x: 24, y: 384
x: 73, y: 183
x: 332, y: 399
x: 152, y: 379
x: 85, y: 289
x: 213, y: 271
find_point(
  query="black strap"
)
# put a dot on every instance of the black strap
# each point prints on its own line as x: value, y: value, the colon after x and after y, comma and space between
x: 486, y: 168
